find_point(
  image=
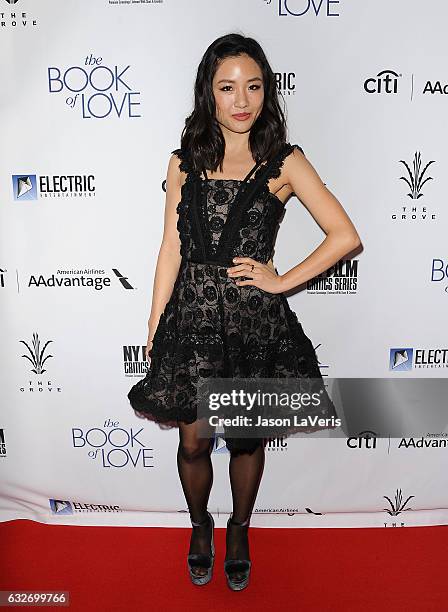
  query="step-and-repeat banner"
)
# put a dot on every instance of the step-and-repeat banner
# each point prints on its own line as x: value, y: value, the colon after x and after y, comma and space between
x: 93, y: 98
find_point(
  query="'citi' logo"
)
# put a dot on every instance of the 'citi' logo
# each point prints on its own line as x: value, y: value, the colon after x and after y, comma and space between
x: 385, y: 82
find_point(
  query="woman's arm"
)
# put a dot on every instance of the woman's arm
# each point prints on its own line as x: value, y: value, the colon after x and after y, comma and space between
x: 169, y: 258
x: 341, y: 235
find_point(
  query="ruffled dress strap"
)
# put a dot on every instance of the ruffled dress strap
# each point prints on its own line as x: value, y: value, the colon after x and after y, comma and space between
x: 265, y: 171
x: 185, y: 163
x: 273, y: 168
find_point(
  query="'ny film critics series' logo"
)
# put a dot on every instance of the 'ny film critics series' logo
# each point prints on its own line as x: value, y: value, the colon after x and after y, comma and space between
x: 134, y: 360
x: 31, y: 187
x: 341, y: 278
x: 95, y: 90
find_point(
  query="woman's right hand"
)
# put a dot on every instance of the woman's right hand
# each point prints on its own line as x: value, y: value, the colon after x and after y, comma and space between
x: 149, y: 346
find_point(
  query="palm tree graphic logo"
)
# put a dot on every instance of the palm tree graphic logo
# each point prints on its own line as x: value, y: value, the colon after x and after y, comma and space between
x: 36, y: 354
x: 415, y: 180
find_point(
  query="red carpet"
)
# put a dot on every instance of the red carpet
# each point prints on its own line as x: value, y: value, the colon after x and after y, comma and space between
x: 136, y: 569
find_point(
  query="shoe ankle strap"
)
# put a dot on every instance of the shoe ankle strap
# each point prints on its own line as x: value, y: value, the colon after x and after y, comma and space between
x: 243, y: 524
x: 206, y: 520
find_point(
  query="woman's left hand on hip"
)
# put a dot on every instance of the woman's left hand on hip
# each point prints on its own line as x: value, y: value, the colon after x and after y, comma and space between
x: 259, y: 274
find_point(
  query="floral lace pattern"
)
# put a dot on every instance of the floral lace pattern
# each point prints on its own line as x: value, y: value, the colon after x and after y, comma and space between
x: 211, y: 327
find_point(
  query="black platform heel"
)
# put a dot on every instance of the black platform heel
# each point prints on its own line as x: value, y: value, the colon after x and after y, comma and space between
x: 201, y: 559
x: 235, y: 567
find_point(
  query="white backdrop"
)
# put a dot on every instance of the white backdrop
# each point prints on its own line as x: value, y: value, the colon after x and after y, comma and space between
x: 78, y: 254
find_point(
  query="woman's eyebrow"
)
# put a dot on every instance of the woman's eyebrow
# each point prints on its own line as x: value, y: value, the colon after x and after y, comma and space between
x: 231, y: 81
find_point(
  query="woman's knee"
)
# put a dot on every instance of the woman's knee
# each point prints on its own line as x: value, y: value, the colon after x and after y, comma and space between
x: 192, y: 449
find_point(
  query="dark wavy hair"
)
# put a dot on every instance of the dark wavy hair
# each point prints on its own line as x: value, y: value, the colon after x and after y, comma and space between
x: 202, y: 137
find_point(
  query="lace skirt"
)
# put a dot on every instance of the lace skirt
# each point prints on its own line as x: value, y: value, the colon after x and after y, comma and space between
x: 211, y: 327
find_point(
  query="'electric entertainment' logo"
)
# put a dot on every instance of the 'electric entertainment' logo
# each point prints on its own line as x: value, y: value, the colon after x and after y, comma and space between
x: 31, y: 187
x: 24, y: 186
x: 400, y: 359
x: 285, y: 83
x: 59, y: 506
x: 64, y: 507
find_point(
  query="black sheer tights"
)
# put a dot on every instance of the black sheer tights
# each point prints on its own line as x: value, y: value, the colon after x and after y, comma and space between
x: 245, y: 471
x: 195, y: 469
x: 196, y: 475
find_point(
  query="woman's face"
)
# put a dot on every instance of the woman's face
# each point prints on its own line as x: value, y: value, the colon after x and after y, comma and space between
x: 238, y: 90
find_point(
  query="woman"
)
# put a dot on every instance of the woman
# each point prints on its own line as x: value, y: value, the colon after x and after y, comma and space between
x: 218, y: 307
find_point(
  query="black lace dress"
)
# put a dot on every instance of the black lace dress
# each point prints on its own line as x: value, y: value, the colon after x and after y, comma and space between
x: 212, y: 327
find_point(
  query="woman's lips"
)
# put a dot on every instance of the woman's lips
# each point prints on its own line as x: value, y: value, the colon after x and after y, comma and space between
x: 241, y: 116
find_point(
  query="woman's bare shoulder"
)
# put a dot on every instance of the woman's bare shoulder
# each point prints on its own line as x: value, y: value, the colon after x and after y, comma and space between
x: 179, y: 161
x: 174, y: 175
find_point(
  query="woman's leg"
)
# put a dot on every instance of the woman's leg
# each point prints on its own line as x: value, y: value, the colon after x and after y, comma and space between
x: 245, y: 470
x: 196, y: 475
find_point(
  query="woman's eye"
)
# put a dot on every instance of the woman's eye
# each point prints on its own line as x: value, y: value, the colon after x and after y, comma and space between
x: 225, y: 88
